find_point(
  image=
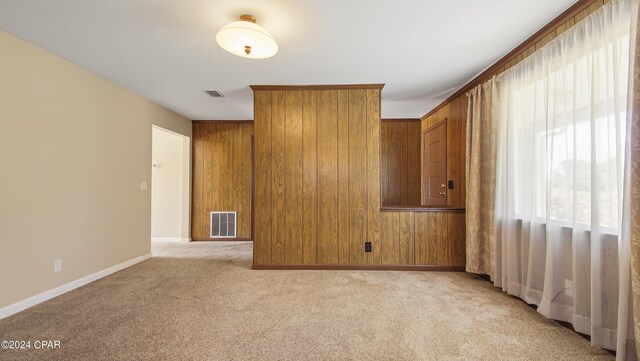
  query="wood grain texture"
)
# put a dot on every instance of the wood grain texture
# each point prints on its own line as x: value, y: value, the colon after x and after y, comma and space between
x: 310, y: 179
x: 373, y: 172
x: 293, y: 177
x: 400, y: 162
x: 390, y: 252
x: 357, y: 176
x: 406, y: 234
x: 262, y: 182
x: 414, y: 135
x: 322, y: 178
x: 343, y: 178
x: 197, y: 166
x: 221, y: 175
x: 278, y: 169
x: 385, y: 138
x: 425, y: 238
x: 327, y: 176
x: 456, y: 239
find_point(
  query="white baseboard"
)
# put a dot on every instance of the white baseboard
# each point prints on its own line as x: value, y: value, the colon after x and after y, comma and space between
x: 169, y: 239
x: 186, y: 240
x: 47, y: 295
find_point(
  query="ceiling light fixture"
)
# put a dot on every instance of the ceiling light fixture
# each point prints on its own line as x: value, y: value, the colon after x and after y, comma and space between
x: 247, y: 39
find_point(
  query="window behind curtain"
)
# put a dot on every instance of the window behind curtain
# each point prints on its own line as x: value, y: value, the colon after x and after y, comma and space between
x: 572, y: 114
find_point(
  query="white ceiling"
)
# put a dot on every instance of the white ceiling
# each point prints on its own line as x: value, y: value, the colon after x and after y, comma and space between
x: 165, y: 49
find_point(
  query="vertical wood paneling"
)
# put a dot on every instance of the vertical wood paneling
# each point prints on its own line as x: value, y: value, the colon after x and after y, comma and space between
x: 236, y: 144
x: 221, y: 175
x: 343, y: 177
x: 293, y: 177
x: 426, y: 238
x: 357, y: 175
x: 262, y: 183
x: 441, y: 229
x: 278, y: 169
x: 197, y: 214
x: 413, y: 163
x: 386, y: 154
x: 395, y: 164
x: 372, y: 100
x: 327, y: 126
x: 421, y: 236
x: 455, y: 241
x: 403, y: 137
x: 400, y: 163
x: 208, y: 177
x: 318, y: 180
x: 309, y: 187
x: 226, y: 180
x: 406, y: 240
x: 390, y: 253
x: 243, y: 181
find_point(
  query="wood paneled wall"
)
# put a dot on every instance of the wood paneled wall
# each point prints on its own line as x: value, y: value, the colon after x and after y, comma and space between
x: 221, y: 175
x: 456, y: 115
x: 400, y: 162
x: 317, y: 186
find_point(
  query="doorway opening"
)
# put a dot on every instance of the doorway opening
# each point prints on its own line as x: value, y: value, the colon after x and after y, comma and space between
x: 170, y: 186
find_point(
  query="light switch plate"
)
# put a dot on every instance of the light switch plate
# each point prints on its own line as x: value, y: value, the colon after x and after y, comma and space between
x: 143, y: 185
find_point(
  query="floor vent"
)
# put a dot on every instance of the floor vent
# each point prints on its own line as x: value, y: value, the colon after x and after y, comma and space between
x: 223, y: 225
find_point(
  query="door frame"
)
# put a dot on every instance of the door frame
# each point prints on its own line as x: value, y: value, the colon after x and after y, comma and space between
x: 423, y: 167
x: 185, y: 203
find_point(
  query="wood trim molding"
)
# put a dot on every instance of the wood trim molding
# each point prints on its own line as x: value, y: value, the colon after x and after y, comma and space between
x: 434, y: 126
x: 421, y: 209
x: 221, y: 240
x: 532, y: 40
x: 316, y: 87
x: 401, y: 120
x: 359, y: 267
x: 222, y: 121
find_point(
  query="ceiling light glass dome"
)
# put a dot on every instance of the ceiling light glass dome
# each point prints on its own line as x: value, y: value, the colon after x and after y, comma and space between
x: 247, y: 39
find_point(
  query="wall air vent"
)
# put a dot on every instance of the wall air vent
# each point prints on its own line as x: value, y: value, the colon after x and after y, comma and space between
x: 223, y: 225
x: 214, y: 93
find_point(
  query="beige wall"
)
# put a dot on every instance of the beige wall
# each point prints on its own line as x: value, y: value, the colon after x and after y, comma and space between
x: 74, y: 148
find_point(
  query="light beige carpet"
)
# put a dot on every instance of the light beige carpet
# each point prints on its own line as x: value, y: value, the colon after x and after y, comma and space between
x: 201, y: 301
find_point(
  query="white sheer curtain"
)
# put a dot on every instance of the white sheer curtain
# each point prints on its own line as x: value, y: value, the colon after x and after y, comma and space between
x: 560, y: 169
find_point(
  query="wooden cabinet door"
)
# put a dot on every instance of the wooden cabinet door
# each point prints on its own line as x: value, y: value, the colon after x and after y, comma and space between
x: 435, y: 165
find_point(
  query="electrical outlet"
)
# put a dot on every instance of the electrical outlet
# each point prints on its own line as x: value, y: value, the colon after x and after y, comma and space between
x: 367, y: 246
x: 568, y: 287
x: 57, y: 265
